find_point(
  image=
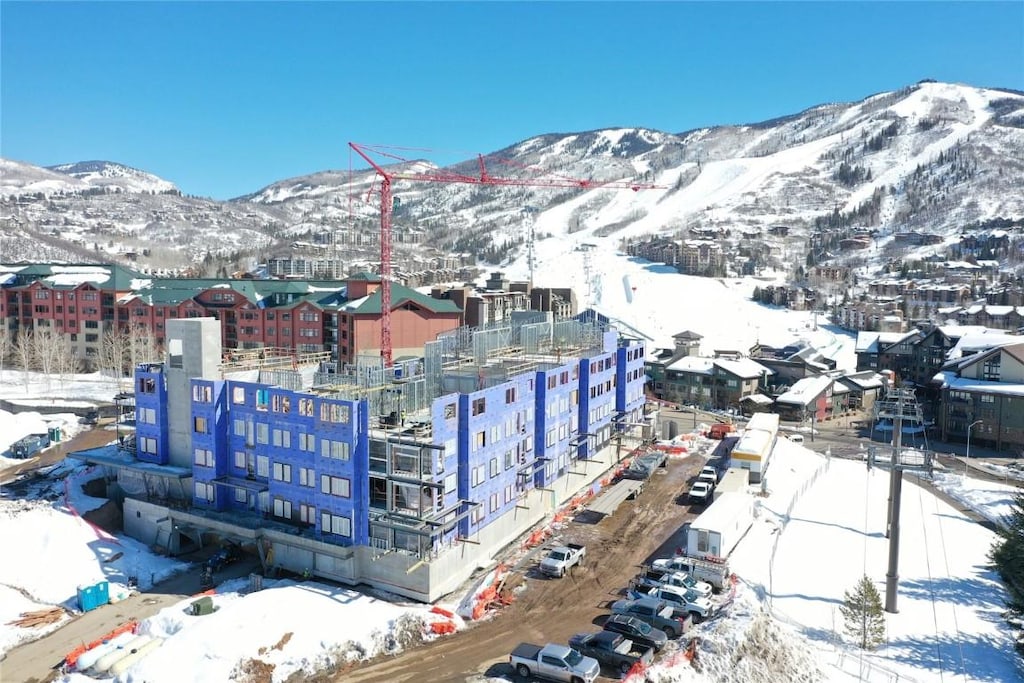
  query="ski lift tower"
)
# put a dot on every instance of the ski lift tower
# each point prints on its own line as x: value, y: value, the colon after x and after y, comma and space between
x: 900, y: 405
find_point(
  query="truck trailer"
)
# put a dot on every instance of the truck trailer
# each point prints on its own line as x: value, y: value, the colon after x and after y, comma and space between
x: 721, y: 526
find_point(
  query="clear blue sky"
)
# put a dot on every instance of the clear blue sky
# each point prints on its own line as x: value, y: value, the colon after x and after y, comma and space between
x: 225, y: 98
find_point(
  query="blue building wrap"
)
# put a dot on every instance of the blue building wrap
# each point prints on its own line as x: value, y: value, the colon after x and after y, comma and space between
x: 444, y: 416
x: 495, y: 436
x: 597, y: 402
x: 151, y: 429
x: 631, y: 380
x: 209, y: 441
x: 295, y: 457
x: 304, y: 459
x: 557, y: 421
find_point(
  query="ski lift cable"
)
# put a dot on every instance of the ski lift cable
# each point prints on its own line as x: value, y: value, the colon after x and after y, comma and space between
x: 956, y: 621
x: 931, y: 582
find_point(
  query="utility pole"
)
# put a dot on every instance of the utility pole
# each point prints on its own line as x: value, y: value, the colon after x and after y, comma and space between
x: 899, y: 406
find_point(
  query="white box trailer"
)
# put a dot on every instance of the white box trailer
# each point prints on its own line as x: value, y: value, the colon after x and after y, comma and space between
x: 753, y: 451
x: 719, y: 528
x: 735, y: 480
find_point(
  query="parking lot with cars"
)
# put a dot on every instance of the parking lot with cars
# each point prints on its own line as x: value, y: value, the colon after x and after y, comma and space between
x: 553, y: 610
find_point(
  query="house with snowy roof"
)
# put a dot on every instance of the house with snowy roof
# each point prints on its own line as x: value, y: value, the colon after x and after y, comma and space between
x: 984, y: 393
x: 808, y: 399
x: 714, y: 382
x: 886, y: 351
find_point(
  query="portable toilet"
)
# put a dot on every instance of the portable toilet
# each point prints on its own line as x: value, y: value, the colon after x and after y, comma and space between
x: 88, y: 598
x: 102, y: 593
x: 54, y: 433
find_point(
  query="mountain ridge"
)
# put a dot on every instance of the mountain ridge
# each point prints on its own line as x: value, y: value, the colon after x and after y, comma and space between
x: 930, y: 155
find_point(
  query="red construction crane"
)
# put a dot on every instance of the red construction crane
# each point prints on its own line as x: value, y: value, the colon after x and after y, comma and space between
x: 444, y: 175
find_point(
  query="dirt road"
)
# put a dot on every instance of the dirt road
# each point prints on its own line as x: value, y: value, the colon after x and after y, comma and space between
x: 37, y: 661
x: 552, y: 610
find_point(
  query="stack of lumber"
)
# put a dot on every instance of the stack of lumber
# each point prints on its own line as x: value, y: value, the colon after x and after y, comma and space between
x: 39, y: 617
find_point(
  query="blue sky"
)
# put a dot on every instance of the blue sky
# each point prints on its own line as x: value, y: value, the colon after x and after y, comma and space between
x: 224, y: 98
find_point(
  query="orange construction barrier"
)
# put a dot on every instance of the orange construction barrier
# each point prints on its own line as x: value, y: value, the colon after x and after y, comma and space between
x: 443, y: 627
x: 437, y: 609
x: 72, y: 657
x: 636, y: 672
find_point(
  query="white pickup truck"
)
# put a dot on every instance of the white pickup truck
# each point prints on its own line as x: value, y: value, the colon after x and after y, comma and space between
x: 681, y: 599
x: 553, y: 662
x: 562, y: 558
x: 715, y: 573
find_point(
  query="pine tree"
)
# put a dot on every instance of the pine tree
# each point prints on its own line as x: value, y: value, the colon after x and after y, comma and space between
x: 862, y: 614
x: 1007, y: 554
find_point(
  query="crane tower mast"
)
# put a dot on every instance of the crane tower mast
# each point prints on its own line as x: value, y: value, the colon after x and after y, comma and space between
x: 442, y: 175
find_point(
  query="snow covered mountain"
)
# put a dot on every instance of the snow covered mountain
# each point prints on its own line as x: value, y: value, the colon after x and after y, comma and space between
x: 18, y: 179
x: 933, y: 156
x: 108, y: 174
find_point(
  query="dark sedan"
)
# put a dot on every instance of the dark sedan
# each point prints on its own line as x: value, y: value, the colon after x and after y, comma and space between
x: 637, y: 631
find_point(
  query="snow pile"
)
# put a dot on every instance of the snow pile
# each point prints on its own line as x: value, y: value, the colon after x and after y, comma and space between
x: 269, y: 634
x: 56, y: 552
x: 991, y: 500
x: 12, y: 604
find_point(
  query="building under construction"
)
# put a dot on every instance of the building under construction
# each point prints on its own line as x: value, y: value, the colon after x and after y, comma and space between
x: 408, y: 478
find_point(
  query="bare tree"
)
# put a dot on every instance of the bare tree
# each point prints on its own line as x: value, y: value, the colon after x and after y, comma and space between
x: 45, y: 352
x: 113, y: 356
x: 6, y: 345
x: 142, y: 347
x: 65, y: 362
x: 23, y: 354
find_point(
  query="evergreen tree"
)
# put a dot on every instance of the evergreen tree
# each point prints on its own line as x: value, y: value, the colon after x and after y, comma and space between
x: 1007, y: 554
x: 862, y: 614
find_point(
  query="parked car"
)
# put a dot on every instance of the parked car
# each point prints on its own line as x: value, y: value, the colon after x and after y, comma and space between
x: 715, y: 573
x: 708, y: 474
x: 796, y: 438
x: 651, y: 577
x: 228, y: 554
x: 561, y: 559
x: 554, y: 662
x: 613, y: 650
x: 700, y: 493
x: 684, y: 599
x: 656, y: 613
x: 636, y: 630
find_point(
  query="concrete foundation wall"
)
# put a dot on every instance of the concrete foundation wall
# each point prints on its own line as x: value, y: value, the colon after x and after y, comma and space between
x: 146, y: 522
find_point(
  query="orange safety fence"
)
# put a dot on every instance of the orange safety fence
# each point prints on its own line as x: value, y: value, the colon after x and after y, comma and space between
x: 637, y: 673
x: 443, y: 627
x: 212, y: 591
x: 72, y: 657
x: 437, y: 609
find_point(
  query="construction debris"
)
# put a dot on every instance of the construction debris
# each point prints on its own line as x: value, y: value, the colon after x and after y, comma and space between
x: 39, y: 617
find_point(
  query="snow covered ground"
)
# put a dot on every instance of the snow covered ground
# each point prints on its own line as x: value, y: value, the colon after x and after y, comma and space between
x: 659, y: 302
x: 274, y: 626
x: 811, y: 542
x: 820, y: 529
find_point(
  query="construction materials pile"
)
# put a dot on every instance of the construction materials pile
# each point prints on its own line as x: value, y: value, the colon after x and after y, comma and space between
x: 39, y: 617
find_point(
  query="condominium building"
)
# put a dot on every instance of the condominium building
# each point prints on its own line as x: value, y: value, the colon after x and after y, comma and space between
x: 407, y: 478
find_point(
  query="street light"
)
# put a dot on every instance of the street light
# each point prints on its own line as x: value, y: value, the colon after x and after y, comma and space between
x: 968, y: 456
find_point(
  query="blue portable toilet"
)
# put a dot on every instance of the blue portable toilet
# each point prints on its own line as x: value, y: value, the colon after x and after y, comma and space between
x: 91, y: 597
x: 87, y: 596
x: 102, y: 593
